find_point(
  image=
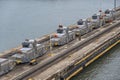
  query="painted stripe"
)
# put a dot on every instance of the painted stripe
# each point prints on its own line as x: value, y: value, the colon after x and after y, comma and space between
x: 74, y: 73
x: 81, y: 68
x: 83, y: 59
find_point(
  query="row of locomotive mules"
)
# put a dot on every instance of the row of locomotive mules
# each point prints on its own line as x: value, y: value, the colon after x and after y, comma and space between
x: 31, y: 49
x: 87, y: 25
x: 95, y: 21
x: 62, y: 35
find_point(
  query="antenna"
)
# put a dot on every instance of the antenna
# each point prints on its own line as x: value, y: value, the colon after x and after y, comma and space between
x: 100, y: 6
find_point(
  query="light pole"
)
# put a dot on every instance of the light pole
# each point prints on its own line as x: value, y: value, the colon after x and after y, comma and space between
x: 115, y: 5
x: 50, y: 45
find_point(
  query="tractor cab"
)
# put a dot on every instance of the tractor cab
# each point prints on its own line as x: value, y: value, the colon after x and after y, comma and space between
x: 109, y: 12
x: 109, y: 15
x: 62, y: 29
x: 94, y: 17
x: 80, y: 22
x: 28, y: 43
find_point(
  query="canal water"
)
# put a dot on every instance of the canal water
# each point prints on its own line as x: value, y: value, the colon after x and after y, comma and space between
x: 21, y: 19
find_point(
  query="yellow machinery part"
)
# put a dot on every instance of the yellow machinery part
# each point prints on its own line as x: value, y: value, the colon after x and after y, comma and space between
x: 18, y: 61
x: 30, y: 79
x: 33, y: 61
x: 56, y: 44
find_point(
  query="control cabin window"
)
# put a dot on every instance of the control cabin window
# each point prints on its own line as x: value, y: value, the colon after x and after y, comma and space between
x: 60, y: 31
x: 80, y: 22
x: 94, y: 17
x: 107, y: 12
